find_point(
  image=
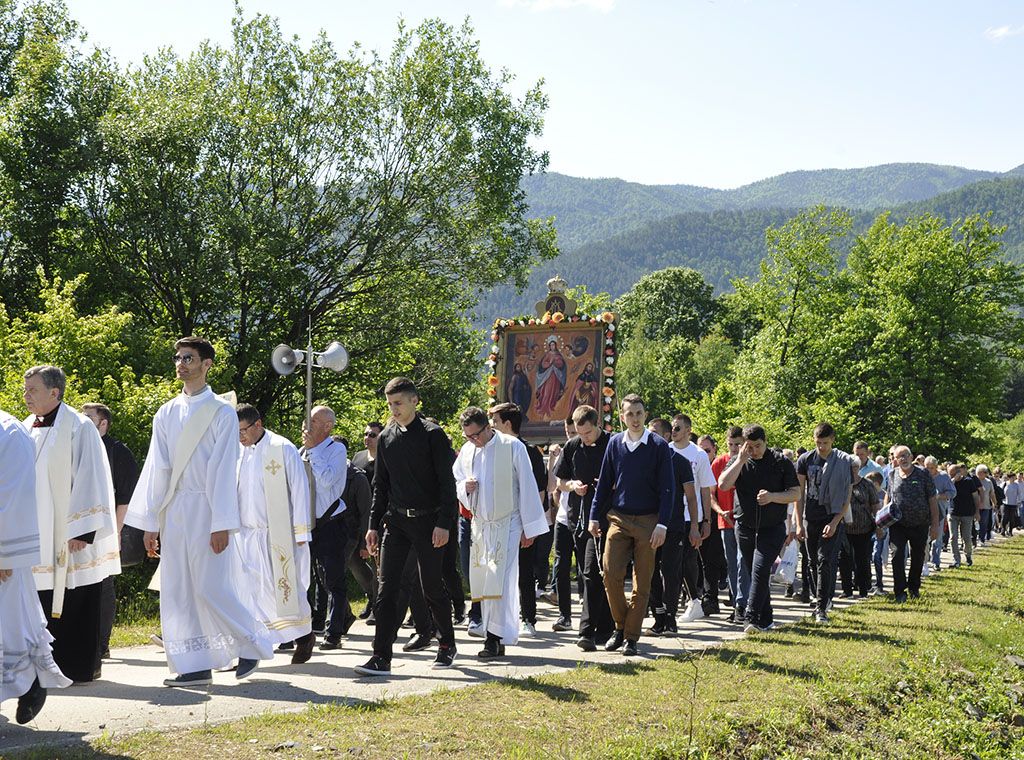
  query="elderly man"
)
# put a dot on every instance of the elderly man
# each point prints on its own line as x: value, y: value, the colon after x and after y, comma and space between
x: 944, y: 493
x: 495, y: 479
x: 186, y: 501
x: 27, y: 668
x: 328, y: 461
x: 273, y: 500
x: 75, y: 501
x: 911, y: 493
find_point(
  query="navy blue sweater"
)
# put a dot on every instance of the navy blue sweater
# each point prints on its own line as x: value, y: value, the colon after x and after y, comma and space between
x: 640, y: 482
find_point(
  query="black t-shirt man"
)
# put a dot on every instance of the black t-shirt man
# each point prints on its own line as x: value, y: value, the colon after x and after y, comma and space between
x: 581, y: 462
x: 963, y: 502
x: 772, y: 472
x: 810, y: 465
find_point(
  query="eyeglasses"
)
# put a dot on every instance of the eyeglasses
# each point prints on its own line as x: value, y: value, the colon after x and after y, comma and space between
x: 186, y: 359
x: 246, y: 428
x: 676, y: 429
x: 475, y: 436
x: 371, y: 434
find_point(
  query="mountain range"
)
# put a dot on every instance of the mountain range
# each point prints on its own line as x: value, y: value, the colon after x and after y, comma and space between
x: 612, y: 232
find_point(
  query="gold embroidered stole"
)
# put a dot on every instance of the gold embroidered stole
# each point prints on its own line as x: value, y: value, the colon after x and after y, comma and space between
x: 282, y: 536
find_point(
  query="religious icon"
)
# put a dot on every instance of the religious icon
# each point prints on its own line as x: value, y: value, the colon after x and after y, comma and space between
x: 586, y: 389
x: 519, y: 391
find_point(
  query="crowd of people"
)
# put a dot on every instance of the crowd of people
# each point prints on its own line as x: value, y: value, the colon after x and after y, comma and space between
x: 256, y: 537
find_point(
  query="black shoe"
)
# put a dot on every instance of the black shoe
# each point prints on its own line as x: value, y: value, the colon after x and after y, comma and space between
x: 458, y: 619
x: 304, y: 648
x: 30, y: 703
x: 246, y: 668
x: 106, y: 654
x: 670, y: 627
x: 915, y: 594
x: 586, y: 643
x: 901, y: 597
x: 417, y: 643
x: 367, y: 611
x: 615, y: 642
x: 445, y: 657
x: 658, y: 629
x: 198, y: 678
x: 711, y: 607
x: 331, y: 642
x: 493, y: 649
x: 287, y: 646
x: 562, y: 624
x: 805, y: 598
x: 629, y: 650
x: 372, y: 620
x: 790, y: 591
x: 375, y: 666
x: 970, y: 561
x: 409, y: 623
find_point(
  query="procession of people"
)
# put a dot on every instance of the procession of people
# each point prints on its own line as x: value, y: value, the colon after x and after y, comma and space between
x: 256, y: 537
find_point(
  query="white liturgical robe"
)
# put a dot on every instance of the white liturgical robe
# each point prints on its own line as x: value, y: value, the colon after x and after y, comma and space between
x: 278, y: 567
x: 25, y: 652
x: 205, y: 621
x: 499, y: 519
x: 73, y: 479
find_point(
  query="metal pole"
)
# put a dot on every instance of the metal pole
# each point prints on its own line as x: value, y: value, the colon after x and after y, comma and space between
x: 309, y: 378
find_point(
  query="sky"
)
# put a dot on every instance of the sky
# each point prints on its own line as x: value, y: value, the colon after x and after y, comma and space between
x: 699, y: 92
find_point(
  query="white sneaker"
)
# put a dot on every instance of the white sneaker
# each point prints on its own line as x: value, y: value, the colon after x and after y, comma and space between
x: 694, y: 611
x: 476, y: 630
x: 925, y: 570
x: 156, y: 641
x: 527, y: 630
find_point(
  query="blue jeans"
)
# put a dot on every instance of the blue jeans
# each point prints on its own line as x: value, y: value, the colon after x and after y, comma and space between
x: 760, y: 548
x: 465, y: 543
x: 879, y: 555
x: 985, y: 526
x: 937, y: 543
x: 739, y: 576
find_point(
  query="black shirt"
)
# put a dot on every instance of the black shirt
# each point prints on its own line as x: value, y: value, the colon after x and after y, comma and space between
x: 361, y: 459
x: 772, y: 472
x: 540, y: 470
x: 581, y: 462
x: 124, y: 470
x: 357, y: 504
x: 683, y: 472
x: 414, y: 471
x: 810, y: 465
x: 963, y: 502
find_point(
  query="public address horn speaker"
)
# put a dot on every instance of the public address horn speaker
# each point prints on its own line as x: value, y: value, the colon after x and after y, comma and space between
x: 335, y: 357
x: 285, y: 359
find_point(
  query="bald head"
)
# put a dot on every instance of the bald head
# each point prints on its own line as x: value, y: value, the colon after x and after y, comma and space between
x: 321, y: 423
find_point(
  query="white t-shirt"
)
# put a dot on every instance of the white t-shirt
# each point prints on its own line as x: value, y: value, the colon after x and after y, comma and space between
x: 702, y: 475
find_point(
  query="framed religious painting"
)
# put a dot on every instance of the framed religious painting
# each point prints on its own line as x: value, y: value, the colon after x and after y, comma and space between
x: 552, y: 364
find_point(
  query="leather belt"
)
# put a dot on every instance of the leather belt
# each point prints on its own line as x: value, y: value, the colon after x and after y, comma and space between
x: 414, y: 512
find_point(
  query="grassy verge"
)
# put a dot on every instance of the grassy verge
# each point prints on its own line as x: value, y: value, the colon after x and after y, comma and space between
x: 930, y: 678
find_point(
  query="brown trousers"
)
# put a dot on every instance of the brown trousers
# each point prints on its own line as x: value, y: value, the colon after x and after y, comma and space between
x: 629, y: 537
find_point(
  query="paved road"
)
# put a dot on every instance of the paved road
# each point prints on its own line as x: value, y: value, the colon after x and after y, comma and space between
x: 131, y: 697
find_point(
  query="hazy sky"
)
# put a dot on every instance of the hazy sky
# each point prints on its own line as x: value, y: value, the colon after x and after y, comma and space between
x: 688, y: 91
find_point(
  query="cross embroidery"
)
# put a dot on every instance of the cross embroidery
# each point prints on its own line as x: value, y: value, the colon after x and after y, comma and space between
x: 273, y: 467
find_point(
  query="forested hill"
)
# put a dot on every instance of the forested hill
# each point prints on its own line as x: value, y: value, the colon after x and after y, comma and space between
x: 727, y: 244
x: 587, y: 210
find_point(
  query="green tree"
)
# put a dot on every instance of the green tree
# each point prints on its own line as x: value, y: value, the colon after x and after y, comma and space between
x: 672, y: 302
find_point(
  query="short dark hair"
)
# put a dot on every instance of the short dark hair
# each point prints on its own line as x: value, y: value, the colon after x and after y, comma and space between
x: 861, y: 445
x: 754, y: 433
x: 375, y: 425
x: 102, y: 411
x: 661, y: 425
x: 202, y: 346
x: 734, y: 431
x: 824, y: 430
x: 510, y: 413
x: 400, y: 385
x: 584, y: 414
x: 683, y: 418
x: 52, y: 377
x: 634, y: 398
x: 248, y: 413
x: 474, y: 415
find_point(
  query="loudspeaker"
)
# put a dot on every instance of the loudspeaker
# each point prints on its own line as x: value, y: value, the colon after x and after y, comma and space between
x: 335, y: 357
x: 285, y: 359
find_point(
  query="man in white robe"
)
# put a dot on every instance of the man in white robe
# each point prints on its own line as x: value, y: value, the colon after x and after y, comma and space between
x: 494, y: 479
x: 186, y: 502
x: 273, y: 498
x: 79, y: 545
x: 27, y: 668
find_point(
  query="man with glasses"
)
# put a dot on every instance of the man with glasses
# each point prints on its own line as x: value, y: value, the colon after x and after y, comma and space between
x: 366, y: 459
x: 722, y: 504
x: 186, y: 501
x: 414, y: 489
x: 911, y: 492
x: 497, y: 482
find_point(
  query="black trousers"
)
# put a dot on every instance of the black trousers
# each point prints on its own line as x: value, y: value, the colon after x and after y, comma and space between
x: 528, y: 583
x: 402, y: 536
x: 712, y: 555
x: 824, y: 559
x: 328, y: 549
x: 362, y: 570
x: 565, y: 549
x: 108, y: 611
x: 596, y: 618
x: 412, y: 590
x: 76, y: 633
x: 760, y: 546
x: 855, y: 563
x: 899, y: 537
x: 667, y: 579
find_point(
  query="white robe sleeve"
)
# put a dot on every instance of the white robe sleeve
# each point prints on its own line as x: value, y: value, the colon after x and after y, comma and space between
x: 91, y: 508
x: 531, y: 511
x: 463, y: 470
x: 19, y: 519
x: 298, y: 492
x: 153, y: 480
x: 222, y: 471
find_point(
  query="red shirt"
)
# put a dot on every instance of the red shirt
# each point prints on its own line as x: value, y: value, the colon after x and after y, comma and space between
x: 724, y: 497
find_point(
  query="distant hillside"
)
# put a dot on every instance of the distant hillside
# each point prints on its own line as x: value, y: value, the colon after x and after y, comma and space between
x: 586, y: 210
x: 727, y: 244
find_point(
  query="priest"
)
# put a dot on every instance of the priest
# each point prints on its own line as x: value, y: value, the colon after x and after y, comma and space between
x: 27, y: 668
x: 186, y: 502
x: 494, y: 479
x: 273, y: 498
x: 77, y: 525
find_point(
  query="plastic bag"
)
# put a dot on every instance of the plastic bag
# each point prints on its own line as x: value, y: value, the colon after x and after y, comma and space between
x: 786, y: 572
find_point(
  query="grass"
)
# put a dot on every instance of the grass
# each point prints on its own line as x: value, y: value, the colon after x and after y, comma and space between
x: 927, y: 679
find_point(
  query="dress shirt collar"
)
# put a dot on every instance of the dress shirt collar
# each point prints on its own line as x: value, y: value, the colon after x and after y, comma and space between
x: 634, y: 445
x: 322, y: 447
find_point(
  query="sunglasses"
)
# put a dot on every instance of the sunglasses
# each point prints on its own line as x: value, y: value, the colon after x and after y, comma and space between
x: 371, y: 434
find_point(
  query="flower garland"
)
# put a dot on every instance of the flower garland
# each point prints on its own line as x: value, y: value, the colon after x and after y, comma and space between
x: 607, y: 371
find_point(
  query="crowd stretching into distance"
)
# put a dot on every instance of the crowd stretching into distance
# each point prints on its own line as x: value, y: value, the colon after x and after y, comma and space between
x: 256, y: 537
